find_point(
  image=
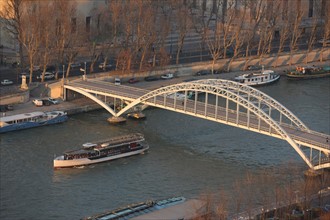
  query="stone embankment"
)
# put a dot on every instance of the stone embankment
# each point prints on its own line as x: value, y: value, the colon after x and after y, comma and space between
x: 183, y: 72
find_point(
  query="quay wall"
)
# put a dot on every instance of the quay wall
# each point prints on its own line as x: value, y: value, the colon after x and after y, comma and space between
x: 55, y: 90
x: 15, y: 98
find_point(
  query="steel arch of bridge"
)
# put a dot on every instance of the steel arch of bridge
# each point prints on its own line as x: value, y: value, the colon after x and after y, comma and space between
x: 92, y: 97
x: 257, y: 107
x: 252, y: 93
x: 229, y: 90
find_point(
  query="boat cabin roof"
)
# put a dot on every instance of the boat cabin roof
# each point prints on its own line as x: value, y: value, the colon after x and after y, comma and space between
x: 300, y: 68
x: 252, y: 74
x: 21, y: 116
x: 108, y: 143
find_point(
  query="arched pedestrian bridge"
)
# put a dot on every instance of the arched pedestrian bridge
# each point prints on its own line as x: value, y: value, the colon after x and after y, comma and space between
x: 222, y: 101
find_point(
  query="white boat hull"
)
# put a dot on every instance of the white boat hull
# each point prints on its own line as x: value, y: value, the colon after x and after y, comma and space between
x: 258, y: 79
x: 59, y: 162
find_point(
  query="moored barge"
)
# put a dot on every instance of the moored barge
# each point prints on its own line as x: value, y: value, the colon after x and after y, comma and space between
x: 309, y: 72
x: 171, y: 208
x: 258, y: 79
x: 31, y: 120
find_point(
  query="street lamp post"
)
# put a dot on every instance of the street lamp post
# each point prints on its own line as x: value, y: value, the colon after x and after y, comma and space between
x: 63, y: 91
x: 85, y: 72
x: 63, y: 73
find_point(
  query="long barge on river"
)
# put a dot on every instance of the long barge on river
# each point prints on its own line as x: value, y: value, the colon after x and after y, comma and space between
x: 171, y: 208
x: 31, y: 120
x: 309, y: 72
x: 102, y: 151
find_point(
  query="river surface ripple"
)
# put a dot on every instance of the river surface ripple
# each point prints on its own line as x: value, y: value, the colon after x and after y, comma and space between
x: 188, y: 156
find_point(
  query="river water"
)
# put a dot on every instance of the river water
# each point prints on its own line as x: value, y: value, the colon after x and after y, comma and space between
x: 187, y: 157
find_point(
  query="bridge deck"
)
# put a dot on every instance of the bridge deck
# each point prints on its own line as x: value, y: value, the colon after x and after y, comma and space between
x: 308, y: 138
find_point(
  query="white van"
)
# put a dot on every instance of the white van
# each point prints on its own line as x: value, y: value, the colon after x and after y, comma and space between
x: 48, y: 75
x: 37, y: 102
x: 117, y: 81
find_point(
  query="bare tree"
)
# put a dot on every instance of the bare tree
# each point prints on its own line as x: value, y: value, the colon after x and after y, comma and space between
x: 285, y: 28
x: 108, y: 33
x: 295, y: 32
x: 95, y: 53
x: 237, y: 33
x: 122, y: 60
x: 325, y: 33
x: 12, y: 13
x: 66, y: 30
x: 267, y: 28
x: 31, y: 33
x: 215, y: 44
x: 311, y: 38
x: 257, y: 14
x: 47, y: 35
x: 184, y: 23
x: 201, y: 23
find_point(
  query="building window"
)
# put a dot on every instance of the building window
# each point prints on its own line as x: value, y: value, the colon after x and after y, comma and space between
x: 298, y: 5
x: 204, y: 5
x: 285, y: 5
x: 214, y: 7
x: 310, y: 10
x: 194, y: 4
x: 57, y: 27
x: 73, y: 25
x: 277, y: 34
x: 323, y: 8
x: 270, y: 6
x: 98, y: 21
x: 88, y: 23
x: 224, y: 10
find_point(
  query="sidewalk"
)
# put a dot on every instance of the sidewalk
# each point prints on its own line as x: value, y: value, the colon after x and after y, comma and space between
x: 84, y: 104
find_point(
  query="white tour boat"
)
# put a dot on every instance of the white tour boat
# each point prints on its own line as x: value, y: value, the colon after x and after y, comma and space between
x: 101, y: 151
x: 257, y: 79
x: 31, y: 120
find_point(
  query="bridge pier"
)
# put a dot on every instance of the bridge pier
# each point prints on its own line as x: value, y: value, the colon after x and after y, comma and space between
x: 245, y: 108
x: 313, y: 173
x: 116, y: 120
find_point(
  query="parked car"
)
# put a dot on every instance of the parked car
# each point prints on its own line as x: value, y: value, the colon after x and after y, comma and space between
x: 151, y: 78
x: 105, y: 66
x: 73, y: 65
x: 15, y: 64
x: 117, y: 81
x: 36, y: 68
x: 151, y: 61
x: 254, y: 67
x: 4, y: 108
x: 37, y: 102
x: 325, y: 42
x: 51, y: 69
x: 46, y: 102
x: 203, y: 72
x: 6, y: 82
x: 53, y: 101
x: 167, y: 76
x: 133, y: 80
x: 189, y: 80
x: 48, y: 75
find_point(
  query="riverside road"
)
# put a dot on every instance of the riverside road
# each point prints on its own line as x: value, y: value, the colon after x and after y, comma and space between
x: 188, y: 156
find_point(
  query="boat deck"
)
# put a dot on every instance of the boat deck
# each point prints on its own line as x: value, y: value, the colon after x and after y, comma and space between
x: 173, y: 208
x: 109, y: 143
